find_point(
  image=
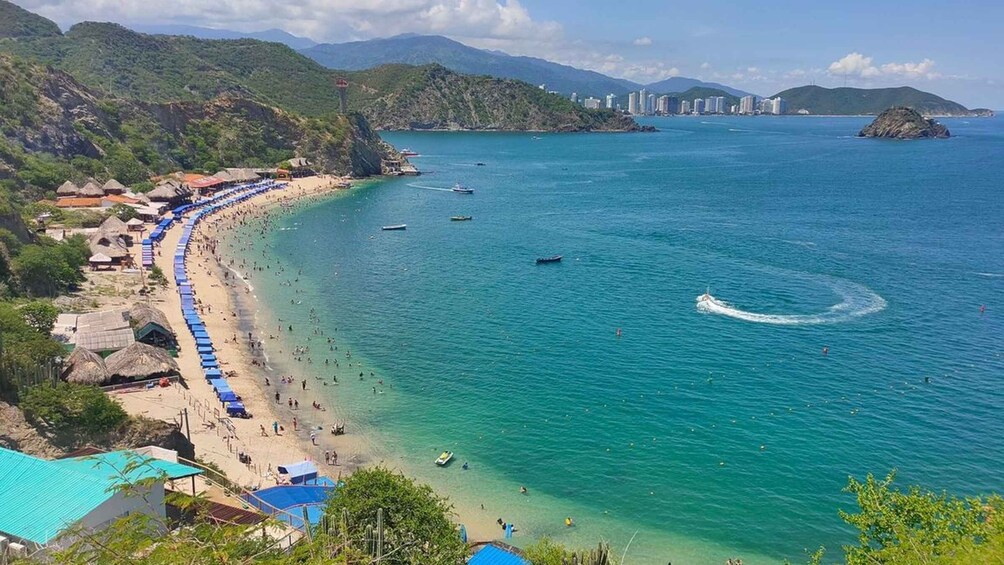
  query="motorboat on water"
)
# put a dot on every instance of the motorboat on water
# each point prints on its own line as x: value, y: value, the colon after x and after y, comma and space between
x: 395, y: 227
x: 461, y: 218
x: 552, y: 259
x: 462, y: 189
x: 444, y: 458
x: 409, y: 153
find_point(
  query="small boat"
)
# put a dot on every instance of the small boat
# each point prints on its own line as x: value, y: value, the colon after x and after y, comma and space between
x: 461, y: 218
x: 395, y: 227
x: 444, y: 458
x: 462, y: 189
x: 479, y: 164
x: 553, y: 259
x: 409, y: 153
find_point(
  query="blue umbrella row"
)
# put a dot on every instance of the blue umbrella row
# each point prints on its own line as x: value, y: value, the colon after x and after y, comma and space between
x: 207, y: 357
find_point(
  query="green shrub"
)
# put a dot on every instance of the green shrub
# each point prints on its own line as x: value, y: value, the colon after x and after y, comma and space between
x: 73, y: 407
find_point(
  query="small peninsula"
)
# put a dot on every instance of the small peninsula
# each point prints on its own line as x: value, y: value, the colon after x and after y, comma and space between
x: 904, y: 123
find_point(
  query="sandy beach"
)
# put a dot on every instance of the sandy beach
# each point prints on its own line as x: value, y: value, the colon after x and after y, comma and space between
x: 283, y: 429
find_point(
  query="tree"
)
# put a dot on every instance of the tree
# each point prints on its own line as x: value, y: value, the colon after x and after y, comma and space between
x: 919, y: 526
x: 123, y: 212
x: 43, y: 270
x: 416, y: 521
x: 40, y: 315
x: 23, y: 344
x: 72, y: 407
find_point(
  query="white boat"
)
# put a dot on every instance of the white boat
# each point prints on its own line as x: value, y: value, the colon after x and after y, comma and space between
x: 444, y: 458
x: 395, y: 228
x: 462, y: 189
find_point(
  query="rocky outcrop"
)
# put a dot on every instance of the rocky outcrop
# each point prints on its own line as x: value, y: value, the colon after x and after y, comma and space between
x: 904, y: 123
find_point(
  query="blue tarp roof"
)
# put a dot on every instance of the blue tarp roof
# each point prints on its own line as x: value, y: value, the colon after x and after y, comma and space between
x: 492, y: 555
x: 299, y: 472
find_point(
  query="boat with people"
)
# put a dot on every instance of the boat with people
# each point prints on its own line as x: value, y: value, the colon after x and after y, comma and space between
x: 395, y: 227
x: 459, y: 188
x: 552, y: 259
x: 444, y: 458
x: 461, y: 218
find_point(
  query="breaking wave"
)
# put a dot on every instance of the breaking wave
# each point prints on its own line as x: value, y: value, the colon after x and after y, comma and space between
x: 856, y: 301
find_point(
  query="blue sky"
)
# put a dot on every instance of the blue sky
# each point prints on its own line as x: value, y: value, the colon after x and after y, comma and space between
x: 950, y: 48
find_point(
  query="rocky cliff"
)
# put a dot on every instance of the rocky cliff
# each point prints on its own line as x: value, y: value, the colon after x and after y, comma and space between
x: 904, y: 123
x: 51, y: 125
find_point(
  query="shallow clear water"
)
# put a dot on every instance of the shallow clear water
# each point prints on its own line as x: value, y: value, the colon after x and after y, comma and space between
x: 711, y: 433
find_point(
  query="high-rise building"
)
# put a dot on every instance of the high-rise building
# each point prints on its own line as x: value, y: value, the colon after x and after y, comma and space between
x: 611, y: 100
x: 662, y: 107
x: 698, y: 106
x: 591, y: 103
x: 633, y: 103
x: 650, y: 105
x: 720, y: 105
x: 779, y: 106
x: 643, y: 100
x: 574, y: 98
x: 766, y: 106
x: 673, y: 105
x: 747, y: 105
x: 710, y: 105
x: 684, y: 106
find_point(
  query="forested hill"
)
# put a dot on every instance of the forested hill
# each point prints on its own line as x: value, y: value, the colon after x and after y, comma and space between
x: 161, y: 68
x: 862, y: 101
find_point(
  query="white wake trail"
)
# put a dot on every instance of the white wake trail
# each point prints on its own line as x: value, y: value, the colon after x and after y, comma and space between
x: 856, y: 301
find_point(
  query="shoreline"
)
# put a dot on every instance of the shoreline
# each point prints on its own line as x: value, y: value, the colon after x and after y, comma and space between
x: 229, y: 313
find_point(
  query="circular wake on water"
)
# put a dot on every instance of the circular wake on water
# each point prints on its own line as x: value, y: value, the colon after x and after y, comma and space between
x: 856, y: 301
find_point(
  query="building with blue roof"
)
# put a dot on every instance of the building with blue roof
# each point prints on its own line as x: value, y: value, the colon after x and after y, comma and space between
x: 40, y: 499
x: 492, y: 554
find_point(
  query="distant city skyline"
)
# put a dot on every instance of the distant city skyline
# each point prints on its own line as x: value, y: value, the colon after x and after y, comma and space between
x: 926, y: 44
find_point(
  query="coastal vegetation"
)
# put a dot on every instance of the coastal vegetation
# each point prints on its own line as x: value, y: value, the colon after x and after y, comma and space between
x: 864, y: 101
x: 160, y: 69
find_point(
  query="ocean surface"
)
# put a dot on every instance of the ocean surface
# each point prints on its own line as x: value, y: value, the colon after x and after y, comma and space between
x: 845, y: 336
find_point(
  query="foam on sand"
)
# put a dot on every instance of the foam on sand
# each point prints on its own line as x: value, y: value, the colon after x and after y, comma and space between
x: 856, y: 301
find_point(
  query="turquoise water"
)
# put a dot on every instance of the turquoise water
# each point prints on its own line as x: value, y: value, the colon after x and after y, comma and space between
x: 706, y: 434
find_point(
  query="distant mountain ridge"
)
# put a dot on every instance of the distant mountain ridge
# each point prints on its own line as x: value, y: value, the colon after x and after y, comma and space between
x: 164, y: 69
x: 411, y: 49
x: 273, y: 35
x: 846, y: 101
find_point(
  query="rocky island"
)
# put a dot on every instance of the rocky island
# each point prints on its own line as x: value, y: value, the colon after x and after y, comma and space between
x: 904, y: 123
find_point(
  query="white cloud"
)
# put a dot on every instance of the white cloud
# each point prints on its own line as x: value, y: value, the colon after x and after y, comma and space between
x: 705, y: 65
x: 859, y: 66
x: 322, y: 20
x: 643, y: 41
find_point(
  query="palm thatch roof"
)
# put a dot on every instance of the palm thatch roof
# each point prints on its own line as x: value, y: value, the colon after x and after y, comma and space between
x: 91, y: 190
x: 141, y: 361
x: 109, y: 244
x: 100, y: 258
x: 113, y: 225
x: 142, y: 314
x: 67, y: 189
x: 113, y: 187
x: 85, y: 367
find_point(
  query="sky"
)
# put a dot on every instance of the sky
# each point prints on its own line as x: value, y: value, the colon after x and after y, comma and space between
x: 952, y: 49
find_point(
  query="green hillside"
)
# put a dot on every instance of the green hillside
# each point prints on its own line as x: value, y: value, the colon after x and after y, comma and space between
x: 860, y: 101
x: 161, y: 68
x: 16, y: 22
x: 52, y: 129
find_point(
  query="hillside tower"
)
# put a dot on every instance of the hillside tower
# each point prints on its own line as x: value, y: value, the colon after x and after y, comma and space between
x: 343, y: 87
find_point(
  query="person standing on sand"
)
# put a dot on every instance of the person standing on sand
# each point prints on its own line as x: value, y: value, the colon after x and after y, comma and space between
x: 313, y: 438
x: 304, y: 384
x: 277, y: 397
x: 275, y: 427
x: 263, y: 432
x: 294, y: 423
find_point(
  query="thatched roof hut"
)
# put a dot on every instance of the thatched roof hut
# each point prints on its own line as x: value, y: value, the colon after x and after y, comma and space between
x: 113, y: 226
x: 110, y: 244
x: 85, y: 367
x: 67, y: 189
x: 91, y: 190
x: 140, y: 361
x: 113, y: 187
x: 151, y: 326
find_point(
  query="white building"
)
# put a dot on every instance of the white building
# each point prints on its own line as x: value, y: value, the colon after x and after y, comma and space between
x: 611, y: 100
x: 698, y: 106
x: 633, y: 103
x: 574, y: 98
x: 591, y: 103
x: 684, y: 106
x: 643, y: 101
x: 778, y: 106
x: 42, y: 500
x: 747, y: 105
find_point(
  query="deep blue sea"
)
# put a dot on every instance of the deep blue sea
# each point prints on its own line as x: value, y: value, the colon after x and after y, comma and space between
x: 698, y: 433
